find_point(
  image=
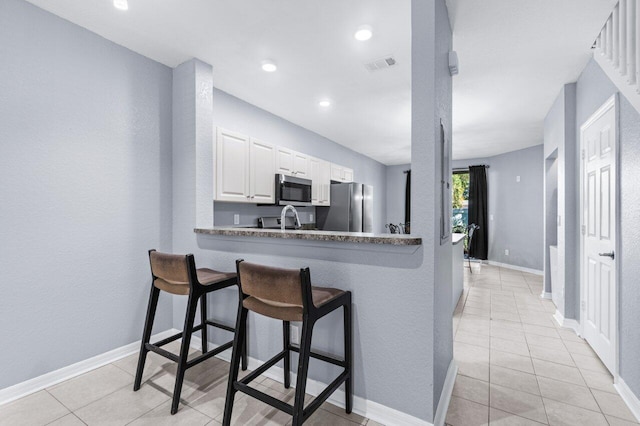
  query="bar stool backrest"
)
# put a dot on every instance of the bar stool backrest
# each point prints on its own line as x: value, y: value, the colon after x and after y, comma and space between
x: 273, y: 284
x: 173, y: 273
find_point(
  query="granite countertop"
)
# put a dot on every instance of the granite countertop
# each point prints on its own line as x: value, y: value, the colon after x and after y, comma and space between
x: 334, y: 236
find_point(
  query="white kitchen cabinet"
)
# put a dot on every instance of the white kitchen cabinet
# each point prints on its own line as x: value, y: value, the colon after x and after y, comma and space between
x: 244, y: 169
x: 341, y: 173
x: 292, y: 163
x: 320, y: 175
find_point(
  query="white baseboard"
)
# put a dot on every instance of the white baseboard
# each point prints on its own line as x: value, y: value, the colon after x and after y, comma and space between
x: 546, y: 295
x: 445, y: 396
x: 567, y: 323
x: 364, y: 407
x: 65, y: 373
x: 515, y: 267
x: 628, y: 397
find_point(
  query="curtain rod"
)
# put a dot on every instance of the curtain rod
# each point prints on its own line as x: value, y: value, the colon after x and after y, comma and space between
x: 406, y: 171
x: 460, y: 169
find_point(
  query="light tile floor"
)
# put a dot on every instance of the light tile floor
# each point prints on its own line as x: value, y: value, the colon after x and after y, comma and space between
x: 517, y: 366
x: 105, y: 397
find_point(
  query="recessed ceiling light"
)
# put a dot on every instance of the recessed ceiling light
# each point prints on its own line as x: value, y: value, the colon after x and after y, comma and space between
x: 269, y: 66
x: 121, y: 4
x: 324, y: 103
x: 363, y: 33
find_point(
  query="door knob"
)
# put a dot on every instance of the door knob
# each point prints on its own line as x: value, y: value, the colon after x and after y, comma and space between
x: 612, y: 255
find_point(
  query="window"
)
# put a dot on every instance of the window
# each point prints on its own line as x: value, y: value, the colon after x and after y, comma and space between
x: 460, y: 198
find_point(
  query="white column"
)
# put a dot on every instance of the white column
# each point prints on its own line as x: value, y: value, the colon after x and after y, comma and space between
x: 631, y: 41
x: 616, y: 37
x: 637, y: 27
x: 622, y: 35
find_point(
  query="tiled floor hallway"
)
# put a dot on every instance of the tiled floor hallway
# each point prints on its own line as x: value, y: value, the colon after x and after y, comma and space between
x: 517, y: 367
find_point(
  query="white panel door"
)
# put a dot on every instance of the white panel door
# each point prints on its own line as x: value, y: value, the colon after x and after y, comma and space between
x: 325, y: 183
x: 336, y: 172
x: 599, y: 289
x: 232, y: 165
x: 347, y: 175
x: 262, y: 166
x: 315, y: 176
x: 301, y: 165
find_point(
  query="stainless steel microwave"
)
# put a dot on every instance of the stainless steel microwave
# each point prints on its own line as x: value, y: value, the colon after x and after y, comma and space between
x: 293, y: 190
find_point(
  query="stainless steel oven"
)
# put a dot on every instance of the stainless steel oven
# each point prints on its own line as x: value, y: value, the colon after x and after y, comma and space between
x: 293, y: 190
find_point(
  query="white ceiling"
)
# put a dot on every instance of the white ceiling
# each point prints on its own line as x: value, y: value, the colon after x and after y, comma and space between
x: 514, y: 57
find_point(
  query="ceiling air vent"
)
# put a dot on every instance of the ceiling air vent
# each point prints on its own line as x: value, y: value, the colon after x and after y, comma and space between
x: 380, y: 64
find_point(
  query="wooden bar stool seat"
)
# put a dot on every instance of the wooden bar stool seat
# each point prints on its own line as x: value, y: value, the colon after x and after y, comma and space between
x: 287, y: 295
x: 177, y: 274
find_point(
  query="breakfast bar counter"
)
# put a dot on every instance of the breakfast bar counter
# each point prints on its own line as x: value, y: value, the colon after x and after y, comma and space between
x: 314, y: 235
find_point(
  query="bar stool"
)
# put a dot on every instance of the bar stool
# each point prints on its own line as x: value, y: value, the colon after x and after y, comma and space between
x: 287, y: 295
x: 177, y: 274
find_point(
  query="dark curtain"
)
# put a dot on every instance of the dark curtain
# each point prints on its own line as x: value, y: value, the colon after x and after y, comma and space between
x: 479, y: 248
x: 407, y: 203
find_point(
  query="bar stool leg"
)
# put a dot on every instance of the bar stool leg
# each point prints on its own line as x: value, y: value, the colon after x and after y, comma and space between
x: 348, y: 354
x: 286, y: 336
x: 238, y: 341
x: 203, y: 321
x: 303, y: 368
x: 146, y: 335
x: 184, y: 349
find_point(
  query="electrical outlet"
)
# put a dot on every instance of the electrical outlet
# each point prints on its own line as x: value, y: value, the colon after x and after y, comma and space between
x: 506, y: 252
x: 236, y: 219
x: 490, y: 217
x: 295, y: 335
x: 311, y: 217
x: 517, y: 178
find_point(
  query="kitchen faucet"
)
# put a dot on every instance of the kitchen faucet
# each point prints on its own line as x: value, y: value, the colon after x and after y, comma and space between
x: 283, y: 216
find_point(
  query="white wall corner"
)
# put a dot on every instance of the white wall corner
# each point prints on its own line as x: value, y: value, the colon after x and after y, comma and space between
x: 204, y: 138
x: 546, y: 295
x: 567, y: 323
x: 628, y: 397
x: 515, y: 267
x: 445, y: 396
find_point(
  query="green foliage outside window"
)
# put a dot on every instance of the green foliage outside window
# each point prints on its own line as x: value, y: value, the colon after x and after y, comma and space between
x: 460, y: 189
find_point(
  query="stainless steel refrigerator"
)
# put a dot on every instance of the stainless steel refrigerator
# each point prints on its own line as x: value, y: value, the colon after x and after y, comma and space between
x: 351, y: 209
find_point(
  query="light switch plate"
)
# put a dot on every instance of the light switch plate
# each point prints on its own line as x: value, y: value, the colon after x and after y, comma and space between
x: 310, y: 217
x: 517, y: 178
x: 490, y: 217
x: 236, y: 219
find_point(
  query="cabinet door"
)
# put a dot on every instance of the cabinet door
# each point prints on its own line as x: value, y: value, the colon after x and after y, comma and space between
x: 284, y: 161
x: 232, y: 166
x: 347, y: 175
x: 316, y: 181
x: 262, y: 165
x: 301, y: 165
x: 336, y: 172
x: 325, y: 183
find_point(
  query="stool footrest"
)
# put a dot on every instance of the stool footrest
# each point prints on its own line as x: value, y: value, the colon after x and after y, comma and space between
x: 318, y: 400
x: 167, y: 340
x: 209, y: 354
x: 264, y: 367
x: 222, y: 326
x: 321, y: 357
x: 162, y: 352
x: 267, y: 399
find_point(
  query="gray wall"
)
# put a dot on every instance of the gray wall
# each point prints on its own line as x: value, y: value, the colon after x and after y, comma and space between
x: 235, y: 114
x: 593, y: 89
x: 396, y: 183
x: 85, y: 179
x: 517, y: 207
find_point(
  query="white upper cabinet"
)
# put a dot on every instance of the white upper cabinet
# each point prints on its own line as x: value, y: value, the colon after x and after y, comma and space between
x: 244, y: 169
x: 262, y: 163
x: 341, y: 173
x: 232, y: 166
x: 320, y: 175
x: 292, y: 163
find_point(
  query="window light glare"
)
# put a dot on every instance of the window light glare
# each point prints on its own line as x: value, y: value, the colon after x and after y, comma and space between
x: 324, y: 103
x: 269, y: 66
x: 121, y: 4
x: 363, y: 33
